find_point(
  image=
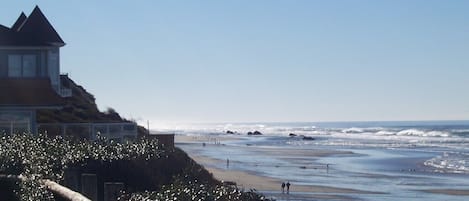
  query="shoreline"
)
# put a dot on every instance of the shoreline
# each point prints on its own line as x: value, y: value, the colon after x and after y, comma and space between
x: 238, y: 172
x: 271, y: 187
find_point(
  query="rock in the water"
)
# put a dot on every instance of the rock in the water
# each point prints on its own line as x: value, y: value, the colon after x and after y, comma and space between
x: 292, y: 135
x: 254, y: 133
x: 308, y: 138
x: 230, y: 132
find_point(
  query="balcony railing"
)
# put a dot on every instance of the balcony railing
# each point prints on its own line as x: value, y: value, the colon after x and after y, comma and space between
x: 117, y: 131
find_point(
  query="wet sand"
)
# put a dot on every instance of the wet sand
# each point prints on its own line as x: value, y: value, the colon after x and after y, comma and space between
x: 250, y: 180
x: 271, y: 186
x: 201, y: 139
x: 448, y: 192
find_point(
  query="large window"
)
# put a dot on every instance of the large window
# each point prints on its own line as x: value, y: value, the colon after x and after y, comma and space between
x: 15, y: 122
x: 29, y: 65
x: 14, y: 66
x: 22, y: 65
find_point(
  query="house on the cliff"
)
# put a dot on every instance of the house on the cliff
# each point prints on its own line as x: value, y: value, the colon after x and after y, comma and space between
x: 30, y: 81
x: 29, y: 72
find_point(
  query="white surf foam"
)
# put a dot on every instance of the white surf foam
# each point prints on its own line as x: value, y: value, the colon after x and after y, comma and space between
x: 450, y: 162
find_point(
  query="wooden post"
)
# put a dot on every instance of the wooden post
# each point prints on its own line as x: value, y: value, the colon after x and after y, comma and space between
x: 112, y: 190
x: 89, y: 186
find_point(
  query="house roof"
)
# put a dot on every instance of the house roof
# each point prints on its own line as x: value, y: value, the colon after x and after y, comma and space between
x: 34, y: 30
x: 33, y: 92
x: 19, y: 22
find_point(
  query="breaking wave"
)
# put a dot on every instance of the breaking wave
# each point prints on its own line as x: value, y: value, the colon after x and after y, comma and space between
x: 345, y: 134
x: 450, y: 162
x: 451, y: 142
x: 416, y: 132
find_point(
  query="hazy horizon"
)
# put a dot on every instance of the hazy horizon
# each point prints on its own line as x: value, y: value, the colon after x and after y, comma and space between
x: 266, y: 61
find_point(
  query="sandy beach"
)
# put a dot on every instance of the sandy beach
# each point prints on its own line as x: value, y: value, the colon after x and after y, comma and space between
x: 319, y: 172
x: 201, y: 139
x: 456, y: 192
x: 250, y: 180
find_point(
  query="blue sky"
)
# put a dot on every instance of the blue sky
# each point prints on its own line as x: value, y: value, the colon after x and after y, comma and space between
x: 263, y: 61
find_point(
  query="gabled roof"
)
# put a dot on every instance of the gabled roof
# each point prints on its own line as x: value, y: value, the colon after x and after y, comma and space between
x: 34, y: 30
x: 6, y: 37
x: 33, y: 92
x: 19, y: 22
x: 3, y: 28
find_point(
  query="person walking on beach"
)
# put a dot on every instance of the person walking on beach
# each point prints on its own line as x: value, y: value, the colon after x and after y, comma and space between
x: 288, y: 187
x: 227, y: 163
x: 283, y: 187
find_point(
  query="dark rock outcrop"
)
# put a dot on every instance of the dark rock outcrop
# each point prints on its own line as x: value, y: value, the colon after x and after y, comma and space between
x: 254, y: 133
x: 308, y: 138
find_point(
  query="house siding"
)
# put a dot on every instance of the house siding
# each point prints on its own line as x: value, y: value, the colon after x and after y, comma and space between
x: 3, y: 64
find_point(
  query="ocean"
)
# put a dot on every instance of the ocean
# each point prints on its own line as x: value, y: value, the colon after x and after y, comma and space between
x: 421, y: 160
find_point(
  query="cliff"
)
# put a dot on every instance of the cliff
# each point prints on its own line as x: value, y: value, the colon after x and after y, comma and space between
x: 80, y: 108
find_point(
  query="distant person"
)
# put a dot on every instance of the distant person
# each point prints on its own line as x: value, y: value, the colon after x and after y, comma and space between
x: 283, y: 187
x: 227, y: 163
x: 288, y: 187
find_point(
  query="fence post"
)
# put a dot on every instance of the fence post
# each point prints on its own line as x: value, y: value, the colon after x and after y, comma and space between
x: 89, y: 186
x: 112, y: 190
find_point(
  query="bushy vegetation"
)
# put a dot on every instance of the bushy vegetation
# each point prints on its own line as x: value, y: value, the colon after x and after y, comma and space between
x: 168, y: 174
x: 193, y: 190
x: 39, y: 157
x: 81, y: 108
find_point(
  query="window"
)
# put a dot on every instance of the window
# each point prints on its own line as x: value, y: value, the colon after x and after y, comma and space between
x: 29, y: 65
x: 14, y: 66
x: 15, y: 122
x: 22, y: 65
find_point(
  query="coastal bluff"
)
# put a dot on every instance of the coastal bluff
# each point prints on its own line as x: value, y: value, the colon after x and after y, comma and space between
x: 103, y: 169
x: 81, y: 107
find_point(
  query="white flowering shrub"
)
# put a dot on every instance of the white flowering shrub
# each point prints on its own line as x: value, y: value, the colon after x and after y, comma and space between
x: 195, y: 191
x: 40, y: 157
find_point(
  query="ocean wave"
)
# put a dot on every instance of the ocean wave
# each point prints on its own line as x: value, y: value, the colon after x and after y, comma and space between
x: 353, y: 130
x: 385, y: 133
x: 422, y: 133
x: 450, y: 162
x: 393, y: 131
x: 363, y: 130
x: 372, y: 136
